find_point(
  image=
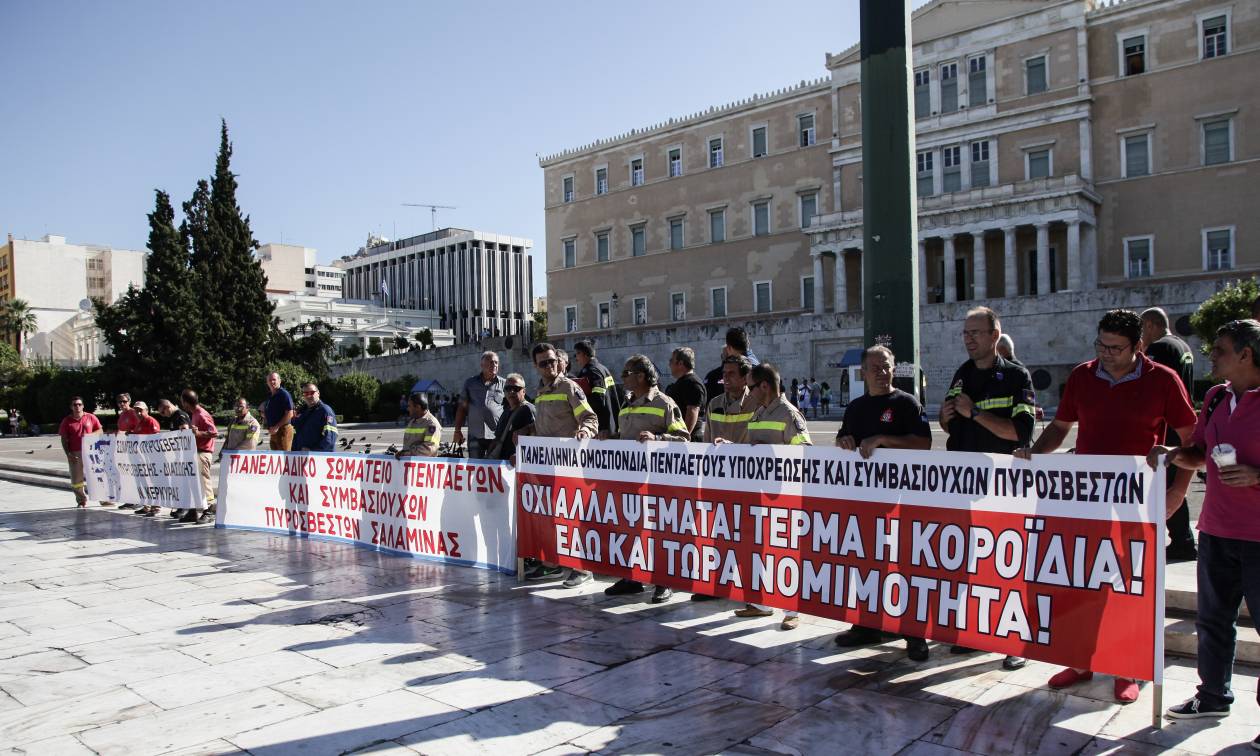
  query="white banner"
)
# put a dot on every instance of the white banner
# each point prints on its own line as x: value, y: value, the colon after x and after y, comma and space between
x: 457, y: 511
x: 158, y: 469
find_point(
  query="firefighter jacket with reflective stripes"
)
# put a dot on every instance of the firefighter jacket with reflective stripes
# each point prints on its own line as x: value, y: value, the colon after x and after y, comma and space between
x: 315, y: 429
x: 244, y: 433
x: 653, y: 412
x: 778, y: 423
x: 561, y: 409
x: 605, y: 395
x: 728, y: 418
x: 421, y: 436
x: 1005, y: 390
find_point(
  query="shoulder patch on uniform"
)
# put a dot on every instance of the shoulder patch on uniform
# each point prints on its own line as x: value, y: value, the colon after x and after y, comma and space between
x: 1029, y: 396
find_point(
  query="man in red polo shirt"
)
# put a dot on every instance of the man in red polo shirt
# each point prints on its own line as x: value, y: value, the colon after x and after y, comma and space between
x: 205, y: 432
x: 73, y: 428
x: 1124, y: 403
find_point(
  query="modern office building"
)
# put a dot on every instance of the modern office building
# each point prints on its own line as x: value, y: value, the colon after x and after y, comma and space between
x: 292, y: 269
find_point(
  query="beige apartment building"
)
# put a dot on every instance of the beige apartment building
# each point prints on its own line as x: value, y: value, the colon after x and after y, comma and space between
x: 1061, y: 146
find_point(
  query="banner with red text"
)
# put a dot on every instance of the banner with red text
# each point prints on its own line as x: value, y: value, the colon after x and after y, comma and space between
x: 1059, y: 559
x: 450, y: 510
x: 158, y: 469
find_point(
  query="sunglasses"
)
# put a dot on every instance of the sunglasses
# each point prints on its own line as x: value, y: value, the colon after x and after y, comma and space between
x: 515, y: 388
x: 547, y: 363
x: 309, y: 393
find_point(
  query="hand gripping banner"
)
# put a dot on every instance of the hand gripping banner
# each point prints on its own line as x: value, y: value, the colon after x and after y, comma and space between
x: 159, y: 469
x: 1059, y: 559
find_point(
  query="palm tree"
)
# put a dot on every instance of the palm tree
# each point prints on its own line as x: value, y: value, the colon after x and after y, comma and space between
x: 17, y: 319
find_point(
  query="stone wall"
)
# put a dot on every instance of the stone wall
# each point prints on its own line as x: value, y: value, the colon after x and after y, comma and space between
x: 1053, y: 333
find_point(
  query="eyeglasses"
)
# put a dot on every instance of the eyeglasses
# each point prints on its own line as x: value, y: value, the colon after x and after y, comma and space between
x: 1110, y: 349
x: 975, y: 333
x: 546, y: 363
x: 515, y: 388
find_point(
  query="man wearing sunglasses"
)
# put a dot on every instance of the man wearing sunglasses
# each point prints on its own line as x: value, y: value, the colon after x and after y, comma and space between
x: 1123, y: 401
x: 127, y: 422
x: 73, y: 428
x: 316, y: 428
x: 519, y: 415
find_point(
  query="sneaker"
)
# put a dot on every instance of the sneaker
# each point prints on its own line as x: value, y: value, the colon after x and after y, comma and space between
x: 578, y: 577
x: 859, y: 636
x: 917, y: 649
x: 624, y: 587
x: 1068, y: 677
x: 126, y: 506
x: 661, y: 594
x: 191, y: 516
x: 1013, y: 663
x: 207, y: 517
x: 1181, y: 552
x: 1196, y: 709
x: 1126, y: 690
x: 753, y: 611
x: 541, y: 571
x: 703, y: 597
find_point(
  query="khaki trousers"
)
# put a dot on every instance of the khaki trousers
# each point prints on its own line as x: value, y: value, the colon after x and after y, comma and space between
x: 282, y: 439
x: 204, y: 460
x: 77, y: 483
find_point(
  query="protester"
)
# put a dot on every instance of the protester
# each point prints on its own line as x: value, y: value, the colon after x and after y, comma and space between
x: 518, y: 415
x: 279, y: 415
x: 989, y: 407
x: 1006, y: 349
x: 561, y: 411
x: 687, y: 391
x: 315, y: 429
x: 245, y: 432
x: 598, y: 384
x: 176, y: 420
x: 146, y: 424
x: 1226, y: 438
x: 649, y: 415
x: 736, y: 344
x: 73, y: 428
x: 730, y: 412
x: 481, y: 403
x: 1168, y: 350
x: 205, y: 433
x: 423, y: 433
x: 775, y: 421
x: 889, y: 418
x: 126, y: 414
x: 1122, y: 401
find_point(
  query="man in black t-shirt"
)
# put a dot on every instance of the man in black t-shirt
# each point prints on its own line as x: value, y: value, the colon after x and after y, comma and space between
x: 1168, y: 350
x: 892, y: 419
x: 687, y: 391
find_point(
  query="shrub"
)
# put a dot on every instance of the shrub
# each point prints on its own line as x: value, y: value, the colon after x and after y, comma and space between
x: 1231, y: 303
x: 292, y: 376
x: 353, y: 395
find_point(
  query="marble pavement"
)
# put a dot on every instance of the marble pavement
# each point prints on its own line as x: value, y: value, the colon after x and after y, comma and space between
x: 120, y: 635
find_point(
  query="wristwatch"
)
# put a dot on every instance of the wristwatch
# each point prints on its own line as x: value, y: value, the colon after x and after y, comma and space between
x: 975, y: 411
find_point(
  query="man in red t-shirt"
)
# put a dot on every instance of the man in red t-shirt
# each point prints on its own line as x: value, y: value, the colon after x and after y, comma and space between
x: 73, y: 428
x: 146, y: 424
x: 205, y: 432
x: 127, y: 417
x: 1125, y: 403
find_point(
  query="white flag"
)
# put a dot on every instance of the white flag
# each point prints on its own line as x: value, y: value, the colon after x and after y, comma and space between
x: 384, y: 288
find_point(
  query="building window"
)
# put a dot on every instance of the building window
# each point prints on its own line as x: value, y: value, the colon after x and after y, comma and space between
x: 922, y: 93
x: 949, y: 87
x: 1035, y: 80
x: 759, y: 142
x: 605, y: 316
x: 761, y: 218
x: 717, y: 298
x: 807, y: 292
x: 601, y: 247
x: 762, y: 300
x: 570, y: 253
x: 805, y: 127
x: 809, y: 208
x: 1133, y: 55
x: 1218, y: 248
x: 1215, y: 31
x: 640, y: 310
x: 980, y: 164
x: 676, y: 233
x: 636, y: 172
x: 951, y: 173
x: 977, y: 81
x: 717, y: 226
x: 675, y: 162
x: 601, y: 180
x: 1137, y: 155
x: 1039, y: 165
x: 568, y: 188
x: 570, y: 319
x: 678, y: 306
x: 1139, y: 257
x: 1217, y: 147
x: 715, y: 152
x: 923, y: 162
x: 638, y: 241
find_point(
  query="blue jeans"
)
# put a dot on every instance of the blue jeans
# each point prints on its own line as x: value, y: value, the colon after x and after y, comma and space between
x: 1229, y: 571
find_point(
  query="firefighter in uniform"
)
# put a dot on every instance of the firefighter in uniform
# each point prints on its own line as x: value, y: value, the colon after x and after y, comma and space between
x: 244, y: 432
x: 990, y: 406
x: 599, y: 385
x: 649, y: 415
x: 730, y: 411
x: 316, y: 428
x: 560, y: 411
x: 423, y: 432
x: 775, y: 421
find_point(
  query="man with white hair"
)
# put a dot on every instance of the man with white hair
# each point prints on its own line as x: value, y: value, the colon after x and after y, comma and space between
x: 1006, y: 348
x: 481, y: 403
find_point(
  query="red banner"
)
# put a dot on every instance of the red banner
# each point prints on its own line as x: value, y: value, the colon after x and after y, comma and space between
x: 1059, y: 559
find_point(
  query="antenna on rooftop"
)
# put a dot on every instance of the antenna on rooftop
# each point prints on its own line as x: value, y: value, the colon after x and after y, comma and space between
x: 432, y: 210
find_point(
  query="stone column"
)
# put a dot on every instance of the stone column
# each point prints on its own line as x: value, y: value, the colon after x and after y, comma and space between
x: 950, y: 284
x: 1043, y: 259
x: 819, y: 297
x: 978, y: 264
x: 842, y: 293
x: 861, y: 287
x: 1074, y: 256
x: 1011, y: 280
x: 923, y: 276
x: 1089, y: 255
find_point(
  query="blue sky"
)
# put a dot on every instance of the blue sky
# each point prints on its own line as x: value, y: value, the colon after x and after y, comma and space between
x: 340, y: 111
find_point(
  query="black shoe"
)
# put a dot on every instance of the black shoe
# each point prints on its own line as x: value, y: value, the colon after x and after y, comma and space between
x: 1181, y: 552
x: 859, y: 636
x: 956, y: 649
x: 661, y: 594
x: 624, y: 587
x: 1013, y: 663
x: 178, y: 513
x: 152, y: 512
x: 703, y: 597
x: 1196, y: 709
x: 126, y: 506
x: 917, y: 649
x: 543, y: 572
x: 206, y: 517
x: 190, y: 517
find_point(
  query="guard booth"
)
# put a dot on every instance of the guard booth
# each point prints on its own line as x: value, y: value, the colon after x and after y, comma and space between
x: 851, y: 385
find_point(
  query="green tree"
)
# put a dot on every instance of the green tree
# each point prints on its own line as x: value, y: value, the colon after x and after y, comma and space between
x: 401, y: 343
x: 17, y: 320
x: 375, y: 347
x: 307, y: 344
x: 538, y: 332
x: 352, y: 395
x: 1231, y: 303
x: 424, y: 337
x: 353, y: 351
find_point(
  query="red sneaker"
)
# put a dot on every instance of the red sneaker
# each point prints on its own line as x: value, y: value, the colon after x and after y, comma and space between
x: 1069, y: 677
x: 1126, y: 690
